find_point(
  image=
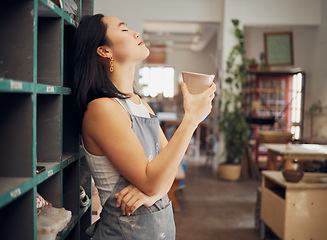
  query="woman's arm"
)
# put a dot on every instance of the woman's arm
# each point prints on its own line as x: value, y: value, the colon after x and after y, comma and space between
x: 131, y: 198
x: 107, y: 131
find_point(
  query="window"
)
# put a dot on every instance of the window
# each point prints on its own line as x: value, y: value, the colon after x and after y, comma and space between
x: 157, y: 80
x: 296, y: 105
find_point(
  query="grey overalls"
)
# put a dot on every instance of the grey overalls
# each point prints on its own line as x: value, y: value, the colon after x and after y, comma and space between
x: 155, y: 222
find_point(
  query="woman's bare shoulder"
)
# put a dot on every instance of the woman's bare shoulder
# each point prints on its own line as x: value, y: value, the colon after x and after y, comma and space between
x: 104, y: 106
x: 101, y: 103
x: 105, y: 110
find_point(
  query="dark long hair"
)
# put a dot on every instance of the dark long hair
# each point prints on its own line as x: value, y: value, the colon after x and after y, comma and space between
x: 90, y: 80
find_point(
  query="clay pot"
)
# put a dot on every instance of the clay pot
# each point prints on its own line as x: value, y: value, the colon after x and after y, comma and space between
x: 291, y: 175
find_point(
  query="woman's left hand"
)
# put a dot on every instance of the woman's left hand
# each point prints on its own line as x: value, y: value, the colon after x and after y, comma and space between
x: 131, y: 198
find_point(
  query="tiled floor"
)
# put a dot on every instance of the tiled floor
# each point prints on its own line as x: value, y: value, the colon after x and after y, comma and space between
x: 212, y: 209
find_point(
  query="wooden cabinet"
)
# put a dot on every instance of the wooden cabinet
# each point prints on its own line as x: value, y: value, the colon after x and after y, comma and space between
x: 274, y: 101
x: 294, y: 210
x: 36, y: 123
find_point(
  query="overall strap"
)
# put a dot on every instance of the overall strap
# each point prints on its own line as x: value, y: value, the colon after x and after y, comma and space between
x: 123, y: 103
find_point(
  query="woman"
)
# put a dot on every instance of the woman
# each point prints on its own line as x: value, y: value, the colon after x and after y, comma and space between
x: 131, y: 161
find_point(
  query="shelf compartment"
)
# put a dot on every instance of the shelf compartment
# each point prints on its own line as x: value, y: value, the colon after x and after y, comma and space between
x: 87, y: 7
x: 85, y: 176
x: 68, y: 159
x: 12, y: 188
x: 48, y: 128
x: 48, y: 50
x: 50, y: 190
x: 8, y: 85
x: 274, y: 219
x: 68, y: 55
x: 69, y: 20
x: 70, y: 188
x: 73, y: 20
x: 71, y: 230
x: 47, y: 8
x: 85, y: 212
x: 70, y: 131
x: 51, y: 168
x: 16, y: 219
x: 16, y: 57
x: 71, y: 199
x: 86, y: 221
x: 16, y: 142
x: 275, y: 188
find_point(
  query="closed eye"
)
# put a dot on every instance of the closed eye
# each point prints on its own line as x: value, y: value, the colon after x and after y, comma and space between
x: 125, y: 30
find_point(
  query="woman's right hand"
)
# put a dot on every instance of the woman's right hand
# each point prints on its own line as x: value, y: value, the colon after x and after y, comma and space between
x: 198, y: 106
x: 131, y: 198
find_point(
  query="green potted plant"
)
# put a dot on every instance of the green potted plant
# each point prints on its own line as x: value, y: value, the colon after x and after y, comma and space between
x: 252, y: 64
x: 231, y: 119
x: 316, y: 108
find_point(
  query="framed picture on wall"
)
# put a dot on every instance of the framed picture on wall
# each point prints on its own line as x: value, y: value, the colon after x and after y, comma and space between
x: 278, y: 48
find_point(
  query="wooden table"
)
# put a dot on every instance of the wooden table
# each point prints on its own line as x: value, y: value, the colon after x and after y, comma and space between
x: 289, y: 152
x: 269, y: 137
x: 294, y: 210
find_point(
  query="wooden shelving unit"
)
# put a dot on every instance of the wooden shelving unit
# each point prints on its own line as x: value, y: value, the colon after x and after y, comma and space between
x: 275, y: 95
x: 36, y: 123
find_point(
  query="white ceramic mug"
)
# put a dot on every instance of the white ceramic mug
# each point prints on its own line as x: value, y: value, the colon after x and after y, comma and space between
x: 197, y: 82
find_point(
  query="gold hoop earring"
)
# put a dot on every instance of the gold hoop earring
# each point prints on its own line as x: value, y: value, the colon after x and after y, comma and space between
x: 111, y: 64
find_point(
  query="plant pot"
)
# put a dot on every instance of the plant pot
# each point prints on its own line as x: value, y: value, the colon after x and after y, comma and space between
x: 253, y: 67
x: 229, y: 172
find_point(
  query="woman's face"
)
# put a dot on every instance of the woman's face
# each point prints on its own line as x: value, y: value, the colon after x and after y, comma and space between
x: 124, y: 44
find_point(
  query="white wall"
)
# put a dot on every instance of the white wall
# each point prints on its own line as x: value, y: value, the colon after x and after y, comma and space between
x: 316, y: 87
x: 135, y: 13
x: 267, y: 13
x: 203, y: 61
x: 304, y: 38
